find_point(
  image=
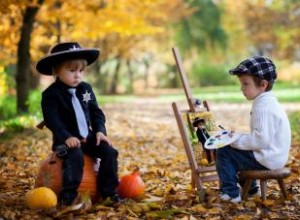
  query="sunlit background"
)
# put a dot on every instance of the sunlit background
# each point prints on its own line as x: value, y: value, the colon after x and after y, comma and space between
x: 135, y: 80
x: 136, y: 37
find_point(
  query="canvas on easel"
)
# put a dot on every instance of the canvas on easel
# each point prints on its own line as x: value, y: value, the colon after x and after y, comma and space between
x: 200, y: 125
x: 200, y: 172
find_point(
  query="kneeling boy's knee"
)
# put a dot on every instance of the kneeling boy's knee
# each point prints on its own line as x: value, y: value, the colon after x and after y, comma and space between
x: 76, y: 154
x: 113, y: 151
x: 223, y: 151
x: 109, y: 150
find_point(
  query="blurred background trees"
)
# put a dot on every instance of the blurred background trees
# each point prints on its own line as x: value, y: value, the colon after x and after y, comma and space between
x: 135, y: 39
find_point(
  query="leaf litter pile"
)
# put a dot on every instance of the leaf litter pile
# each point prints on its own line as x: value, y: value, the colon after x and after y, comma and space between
x: 146, y: 135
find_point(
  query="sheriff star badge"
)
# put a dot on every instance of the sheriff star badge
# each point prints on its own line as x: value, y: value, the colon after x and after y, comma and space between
x: 86, y: 96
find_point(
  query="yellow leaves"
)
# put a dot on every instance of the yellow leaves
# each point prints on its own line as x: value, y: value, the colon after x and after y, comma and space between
x: 269, y: 202
x: 138, y: 209
x: 242, y: 217
x: 9, y: 214
x: 9, y: 27
x: 215, y: 210
x: 5, y: 5
x: 125, y: 18
x: 122, y: 25
x: 10, y: 166
x: 250, y: 204
x: 145, y: 136
x: 199, y: 208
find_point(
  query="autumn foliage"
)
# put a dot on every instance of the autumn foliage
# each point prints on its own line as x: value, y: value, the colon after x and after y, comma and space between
x: 150, y: 140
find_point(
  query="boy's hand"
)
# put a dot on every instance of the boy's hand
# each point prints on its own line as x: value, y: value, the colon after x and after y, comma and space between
x: 101, y: 137
x: 72, y: 142
x: 232, y: 130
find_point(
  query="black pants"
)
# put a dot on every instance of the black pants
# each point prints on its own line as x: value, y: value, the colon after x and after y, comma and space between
x: 72, y: 170
x: 210, y: 154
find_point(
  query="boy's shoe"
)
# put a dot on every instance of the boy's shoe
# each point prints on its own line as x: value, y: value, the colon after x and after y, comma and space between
x: 236, y: 199
x: 255, y: 194
x: 115, y: 198
x: 226, y: 197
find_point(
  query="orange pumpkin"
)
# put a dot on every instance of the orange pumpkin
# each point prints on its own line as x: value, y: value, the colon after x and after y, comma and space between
x: 131, y: 185
x: 50, y: 175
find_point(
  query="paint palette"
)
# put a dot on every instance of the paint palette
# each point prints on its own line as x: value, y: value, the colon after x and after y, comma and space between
x: 221, y: 139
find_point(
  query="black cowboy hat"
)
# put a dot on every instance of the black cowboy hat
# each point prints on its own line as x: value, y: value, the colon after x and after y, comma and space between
x: 65, y: 51
x: 197, y: 121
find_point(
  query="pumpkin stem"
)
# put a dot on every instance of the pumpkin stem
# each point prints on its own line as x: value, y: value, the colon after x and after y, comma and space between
x: 52, y: 158
x: 136, y: 170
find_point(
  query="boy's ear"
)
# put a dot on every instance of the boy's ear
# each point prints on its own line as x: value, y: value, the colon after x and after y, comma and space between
x: 264, y: 83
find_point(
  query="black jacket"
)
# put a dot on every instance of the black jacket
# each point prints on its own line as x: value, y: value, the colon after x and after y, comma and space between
x: 59, y: 115
x: 202, y: 135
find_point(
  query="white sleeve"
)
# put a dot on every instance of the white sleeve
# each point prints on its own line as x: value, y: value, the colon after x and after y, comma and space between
x: 262, y: 131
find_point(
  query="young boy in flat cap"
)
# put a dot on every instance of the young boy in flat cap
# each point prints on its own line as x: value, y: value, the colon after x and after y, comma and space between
x: 267, y: 145
x: 71, y: 112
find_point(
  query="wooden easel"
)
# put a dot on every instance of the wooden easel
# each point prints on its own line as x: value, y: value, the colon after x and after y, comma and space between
x: 199, y: 173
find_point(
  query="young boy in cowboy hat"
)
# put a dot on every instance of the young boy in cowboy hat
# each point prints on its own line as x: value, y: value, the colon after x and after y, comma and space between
x: 202, y: 135
x: 71, y: 112
x: 268, y: 143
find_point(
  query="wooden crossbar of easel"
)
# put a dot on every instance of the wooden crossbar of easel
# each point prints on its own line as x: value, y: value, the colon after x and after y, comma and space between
x: 199, y: 173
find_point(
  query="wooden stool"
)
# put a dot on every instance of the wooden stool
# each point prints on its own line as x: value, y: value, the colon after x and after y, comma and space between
x: 263, y: 176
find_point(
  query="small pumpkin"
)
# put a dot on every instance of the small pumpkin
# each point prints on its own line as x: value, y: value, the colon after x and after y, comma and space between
x: 40, y: 198
x: 50, y: 175
x: 131, y: 185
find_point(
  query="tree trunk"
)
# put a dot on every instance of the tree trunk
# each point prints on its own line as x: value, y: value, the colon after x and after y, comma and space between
x: 175, y: 81
x: 34, y: 78
x: 146, y: 74
x: 23, y: 63
x: 57, y: 6
x: 115, y: 79
x: 130, y: 75
x: 100, y: 77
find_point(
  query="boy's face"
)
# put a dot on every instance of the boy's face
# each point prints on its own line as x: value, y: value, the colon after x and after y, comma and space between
x: 201, y: 125
x: 249, y: 88
x: 71, y: 72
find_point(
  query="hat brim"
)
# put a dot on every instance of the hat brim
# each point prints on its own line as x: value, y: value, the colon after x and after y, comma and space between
x: 196, y: 122
x: 238, y: 70
x: 45, y: 64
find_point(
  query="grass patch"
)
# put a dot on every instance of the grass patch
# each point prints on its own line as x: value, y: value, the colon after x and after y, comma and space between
x: 9, y: 120
x: 13, y: 126
x: 295, y: 124
x: 232, y: 94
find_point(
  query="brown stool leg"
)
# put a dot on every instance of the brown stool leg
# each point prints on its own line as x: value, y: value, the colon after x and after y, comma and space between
x: 246, y: 188
x: 263, y: 187
x: 282, y: 187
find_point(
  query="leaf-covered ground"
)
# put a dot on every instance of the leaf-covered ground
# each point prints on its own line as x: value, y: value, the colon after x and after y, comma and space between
x: 146, y: 134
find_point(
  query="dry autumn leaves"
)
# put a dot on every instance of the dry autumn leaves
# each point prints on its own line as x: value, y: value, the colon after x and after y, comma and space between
x: 146, y: 135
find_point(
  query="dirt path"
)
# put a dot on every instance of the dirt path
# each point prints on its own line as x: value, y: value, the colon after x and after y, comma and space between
x: 149, y: 125
x: 147, y: 110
